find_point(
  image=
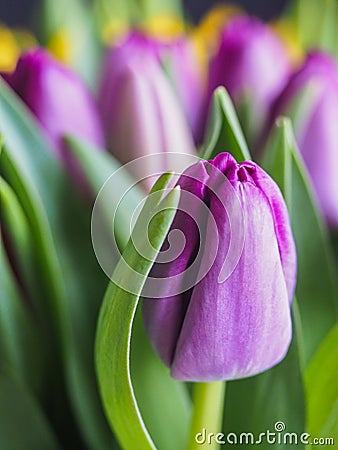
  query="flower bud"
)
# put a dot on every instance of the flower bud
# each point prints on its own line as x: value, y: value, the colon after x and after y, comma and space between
x: 186, y: 75
x: 12, y: 43
x: 57, y: 97
x: 310, y: 99
x: 238, y: 326
x: 61, y: 104
x: 140, y: 110
x: 252, y: 65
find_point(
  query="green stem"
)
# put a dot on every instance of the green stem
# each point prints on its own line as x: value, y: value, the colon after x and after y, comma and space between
x: 208, y: 414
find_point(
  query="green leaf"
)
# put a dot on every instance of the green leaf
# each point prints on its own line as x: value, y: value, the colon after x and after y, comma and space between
x: 152, y: 382
x: 322, y: 389
x: 277, y: 161
x: 316, y: 285
x: 256, y: 404
x: 153, y: 8
x: 224, y: 133
x: 73, y: 35
x: 98, y: 166
x: 334, y: 245
x: 321, y: 16
x: 115, y: 17
x: 250, y: 117
x: 117, y: 315
x: 19, y: 332
x: 16, y: 228
x: 70, y: 276
x: 22, y: 423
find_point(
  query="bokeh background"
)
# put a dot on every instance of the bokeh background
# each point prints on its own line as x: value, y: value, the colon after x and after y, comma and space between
x: 20, y: 12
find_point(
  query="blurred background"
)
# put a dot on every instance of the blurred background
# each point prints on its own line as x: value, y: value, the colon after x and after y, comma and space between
x: 266, y: 9
x: 121, y: 95
x: 19, y: 12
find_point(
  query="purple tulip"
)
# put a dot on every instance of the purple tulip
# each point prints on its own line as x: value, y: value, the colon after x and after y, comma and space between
x: 311, y: 100
x: 241, y: 326
x: 140, y: 111
x: 185, y: 72
x: 253, y: 66
x: 58, y: 99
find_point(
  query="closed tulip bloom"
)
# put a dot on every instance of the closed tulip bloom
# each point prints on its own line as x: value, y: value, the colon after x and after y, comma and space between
x: 310, y: 99
x: 180, y: 63
x: 140, y: 110
x: 185, y: 72
x: 58, y: 99
x: 252, y: 64
x: 240, y: 326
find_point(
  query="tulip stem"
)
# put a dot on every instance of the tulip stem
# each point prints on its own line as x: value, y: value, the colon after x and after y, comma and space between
x: 207, y: 416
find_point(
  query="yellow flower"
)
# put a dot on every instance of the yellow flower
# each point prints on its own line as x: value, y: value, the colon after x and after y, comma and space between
x: 206, y: 34
x: 12, y: 43
x: 287, y: 32
x: 61, y: 46
x: 114, y: 29
x: 164, y: 26
x: 213, y: 22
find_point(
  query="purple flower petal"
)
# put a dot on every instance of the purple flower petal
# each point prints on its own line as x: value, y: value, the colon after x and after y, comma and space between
x: 241, y: 326
x: 316, y: 82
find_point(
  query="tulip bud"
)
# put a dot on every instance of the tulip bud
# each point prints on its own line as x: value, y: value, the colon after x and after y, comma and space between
x: 186, y: 75
x: 238, y: 326
x: 58, y: 99
x: 252, y: 65
x: 310, y: 99
x: 140, y: 110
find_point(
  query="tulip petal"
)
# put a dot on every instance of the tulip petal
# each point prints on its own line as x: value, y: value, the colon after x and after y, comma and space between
x: 310, y: 99
x: 320, y: 152
x: 163, y: 316
x: 57, y: 97
x: 286, y: 244
x: 140, y: 111
x: 243, y: 66
x: 241, y: 327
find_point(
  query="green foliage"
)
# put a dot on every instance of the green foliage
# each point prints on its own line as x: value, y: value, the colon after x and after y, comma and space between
x: 316, y: 284
x: 22, y: 423
x: 256, y: 404
x: 114, y: 335
x: 316, y: 23
x: 224, y: 133
x: 70, y: 278
x: 322, y: 389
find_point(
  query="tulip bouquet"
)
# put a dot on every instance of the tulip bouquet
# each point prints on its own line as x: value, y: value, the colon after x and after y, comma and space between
x: 169, y: 228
